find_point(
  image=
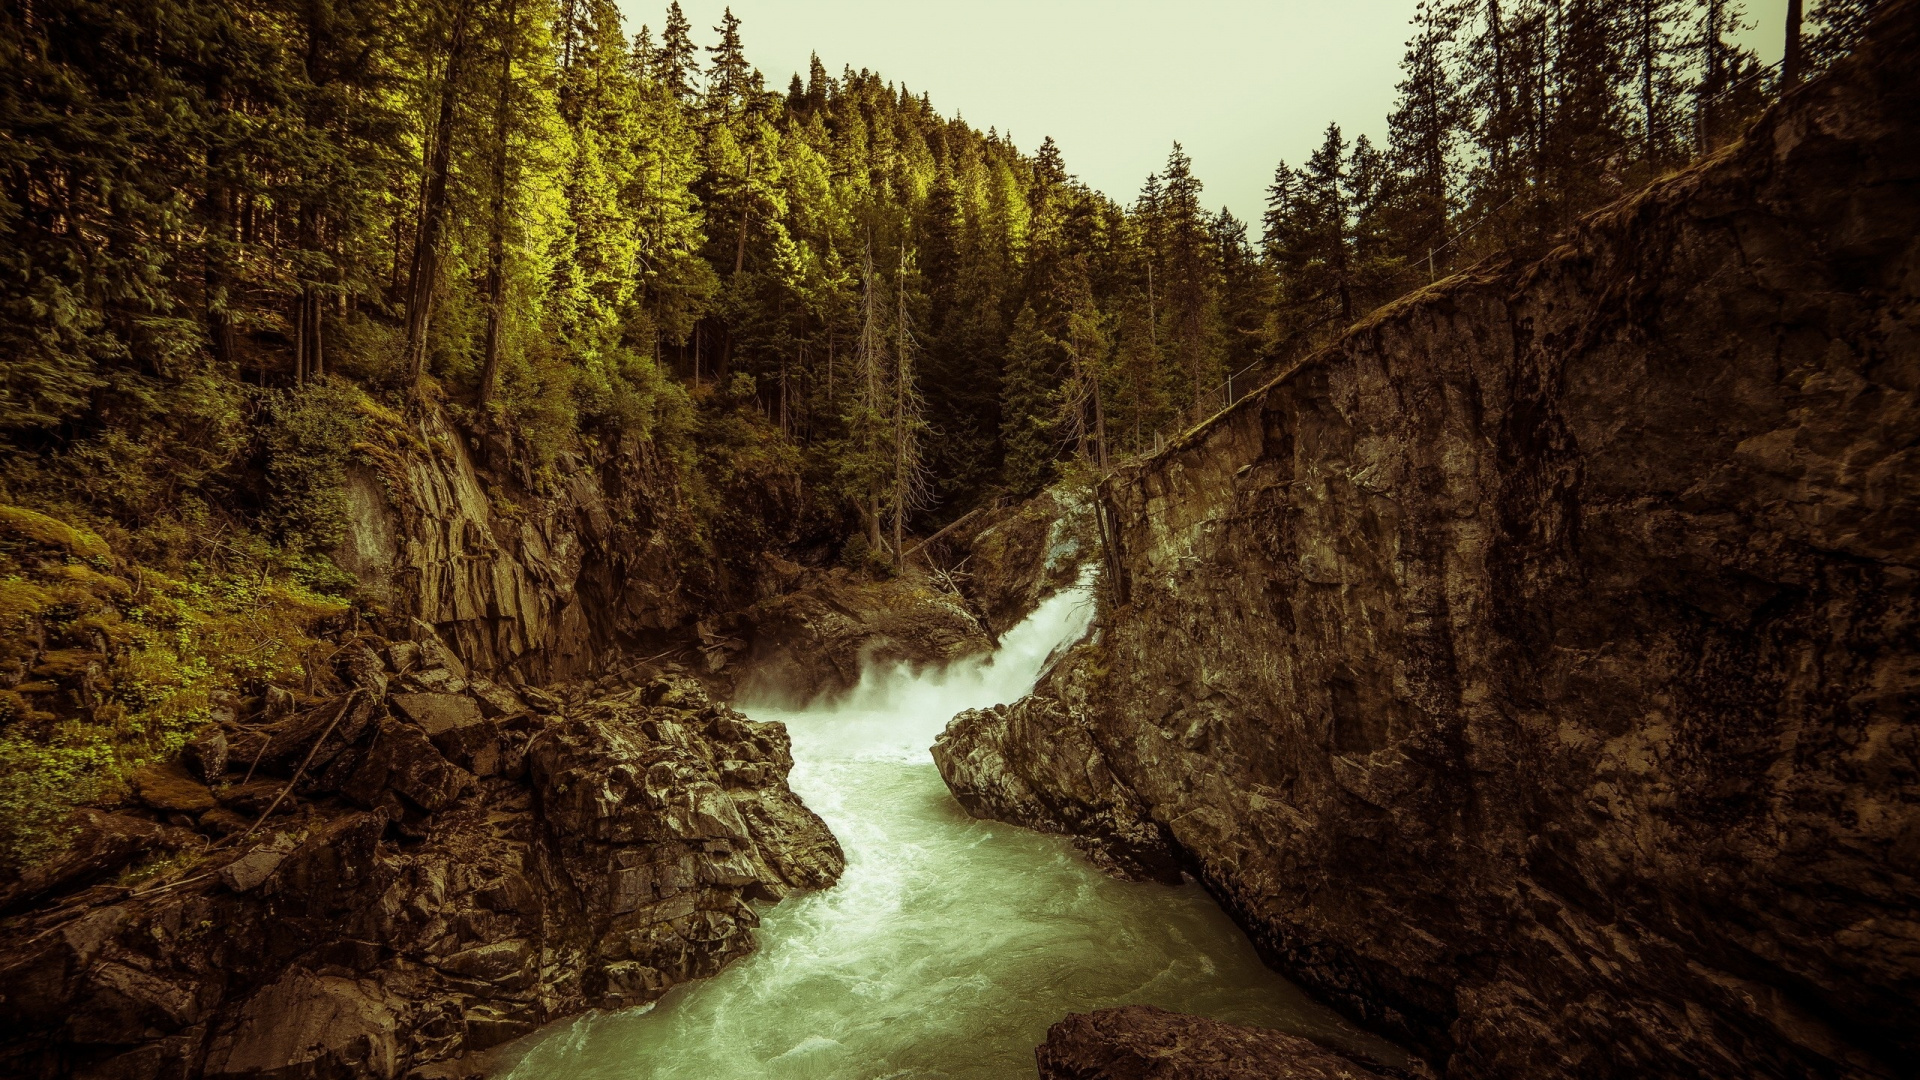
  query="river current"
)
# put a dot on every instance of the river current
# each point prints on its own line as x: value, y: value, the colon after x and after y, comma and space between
x: 950, y: 944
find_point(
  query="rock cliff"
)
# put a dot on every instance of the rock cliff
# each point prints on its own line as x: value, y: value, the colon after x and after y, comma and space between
x: 1533, y: 672
x: 542, y: 577
x: 409, y: 872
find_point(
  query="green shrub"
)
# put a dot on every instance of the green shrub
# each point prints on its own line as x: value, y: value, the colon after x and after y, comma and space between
x: 310, y: 434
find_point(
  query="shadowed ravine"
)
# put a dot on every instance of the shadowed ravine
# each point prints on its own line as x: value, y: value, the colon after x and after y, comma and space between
x: 950, y: 944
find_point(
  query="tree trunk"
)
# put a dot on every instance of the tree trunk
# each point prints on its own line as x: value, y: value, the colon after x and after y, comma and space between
x: 1795, y: 62
x: 746, y: 215
x: 497, y: 237
x: 1100, y: 423
x: 423, y: 279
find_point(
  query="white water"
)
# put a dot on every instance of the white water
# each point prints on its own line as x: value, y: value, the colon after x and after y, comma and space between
x: 950, y: 944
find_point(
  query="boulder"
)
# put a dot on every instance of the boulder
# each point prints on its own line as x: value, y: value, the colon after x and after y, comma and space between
x: 404, y: 760
x: 457, y: 727
x: 258, y: 864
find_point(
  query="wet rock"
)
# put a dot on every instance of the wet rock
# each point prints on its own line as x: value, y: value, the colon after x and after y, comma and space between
x: 495, y: 963
x: 1509, y: 669
x: 1022, y: 554
x: 818, y: 639
x: 1038, y: 763
x: 1140, y: 1042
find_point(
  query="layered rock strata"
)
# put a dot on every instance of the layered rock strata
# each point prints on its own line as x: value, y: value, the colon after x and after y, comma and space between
x: 544, y: 576
x: 1533, y: 673
x: 388, y: 881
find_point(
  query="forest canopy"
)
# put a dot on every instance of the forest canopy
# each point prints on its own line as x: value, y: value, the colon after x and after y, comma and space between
x: 563, y: 226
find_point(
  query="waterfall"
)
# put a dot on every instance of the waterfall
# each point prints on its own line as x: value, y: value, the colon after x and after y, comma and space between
x: 950, y: 944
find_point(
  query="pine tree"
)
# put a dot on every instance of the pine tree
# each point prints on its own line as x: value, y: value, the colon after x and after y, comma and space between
x: 1422, y: 132
x: 676, y: 63
x: 728, y: 73
x: 1834, y: 27
x: 1027, y: 404
x: 1191, y: 283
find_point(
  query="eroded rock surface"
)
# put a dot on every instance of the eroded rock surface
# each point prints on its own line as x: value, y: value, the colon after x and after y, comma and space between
x: 1037, y: 762
x: 818, y: 638
x: 1140, y: 1042
x: 1533, y: 673
x: 1018, y: 556
x: 450, y: 870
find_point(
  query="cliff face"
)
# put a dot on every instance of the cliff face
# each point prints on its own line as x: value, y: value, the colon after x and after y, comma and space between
x: 540, y: 581
x: 435, y: 869
x: 1533, y: 672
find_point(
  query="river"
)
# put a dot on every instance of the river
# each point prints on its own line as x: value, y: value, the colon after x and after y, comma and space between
x: 950, y: 944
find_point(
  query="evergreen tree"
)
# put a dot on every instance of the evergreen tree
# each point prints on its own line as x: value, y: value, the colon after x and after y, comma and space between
x: 676, y: 64
x: 1027, y: 404
x: 1835, y: 27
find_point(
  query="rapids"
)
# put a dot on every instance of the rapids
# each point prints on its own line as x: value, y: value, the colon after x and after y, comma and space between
x: 950, y: 944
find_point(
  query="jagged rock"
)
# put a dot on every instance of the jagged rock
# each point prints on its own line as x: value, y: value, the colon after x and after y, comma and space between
x: 167, y: 786
x: 450, y: 917
x: 1037, y: 763
x: 258, y: 864
x: 404, y: 760
x: 499, y: 962
x: 1532, y: 672
x: 456, y: 726
x: 494, y: 700
x: 1022, y: 554
x: 1140, y: 1042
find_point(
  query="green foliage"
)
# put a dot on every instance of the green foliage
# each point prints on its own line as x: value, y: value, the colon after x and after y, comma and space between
x: 108, y: 670
x: 309, y: 435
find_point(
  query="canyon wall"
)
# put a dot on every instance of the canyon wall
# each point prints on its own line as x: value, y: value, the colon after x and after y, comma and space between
x: 1533, y: 673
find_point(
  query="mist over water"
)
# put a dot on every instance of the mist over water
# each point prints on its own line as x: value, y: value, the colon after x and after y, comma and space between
x: 950, y: 945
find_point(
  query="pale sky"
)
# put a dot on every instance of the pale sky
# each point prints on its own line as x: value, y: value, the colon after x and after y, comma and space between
x: 1240, y: 83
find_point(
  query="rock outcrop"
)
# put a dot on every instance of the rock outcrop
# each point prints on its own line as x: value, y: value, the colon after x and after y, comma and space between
x: 1038, y: 762
x: 392, y: 880
x: 1015, y: 557
x: 1533, y: 672
x: 1140, y: 1042
x: 817, y: 639
x: 542, y: 576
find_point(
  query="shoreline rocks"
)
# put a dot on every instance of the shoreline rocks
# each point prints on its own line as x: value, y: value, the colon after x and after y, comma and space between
x: 437, y: 877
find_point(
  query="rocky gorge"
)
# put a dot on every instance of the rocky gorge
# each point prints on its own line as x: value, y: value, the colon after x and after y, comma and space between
x: 1531, y: 673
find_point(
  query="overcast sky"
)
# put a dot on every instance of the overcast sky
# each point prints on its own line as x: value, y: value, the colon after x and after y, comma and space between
x: 1241, y: 84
